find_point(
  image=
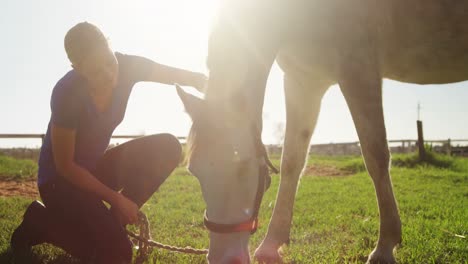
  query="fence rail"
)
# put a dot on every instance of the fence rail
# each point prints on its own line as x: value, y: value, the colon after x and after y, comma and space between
x: 346, y: 148
x: 42, y: 136
x: 33, y: 153
x: 402, y: 141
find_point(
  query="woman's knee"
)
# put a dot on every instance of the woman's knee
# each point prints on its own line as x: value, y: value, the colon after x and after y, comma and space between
x: 169, y: 148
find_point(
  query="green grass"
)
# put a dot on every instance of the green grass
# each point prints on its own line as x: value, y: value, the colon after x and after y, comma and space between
x: 16, y: 169
x: 335, y: 218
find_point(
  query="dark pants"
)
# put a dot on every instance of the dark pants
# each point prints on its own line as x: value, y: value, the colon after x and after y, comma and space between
x: 82, y: 225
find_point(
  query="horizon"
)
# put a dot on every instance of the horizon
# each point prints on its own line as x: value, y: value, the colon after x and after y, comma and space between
x: 175, y: 33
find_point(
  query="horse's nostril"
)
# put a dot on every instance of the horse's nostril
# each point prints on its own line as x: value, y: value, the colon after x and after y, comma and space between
x: 235, y: 260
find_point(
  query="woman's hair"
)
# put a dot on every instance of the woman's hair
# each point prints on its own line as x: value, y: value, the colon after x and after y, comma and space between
x: 81, y: 39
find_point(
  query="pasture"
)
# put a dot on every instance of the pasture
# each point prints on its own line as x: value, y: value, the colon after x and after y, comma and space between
x: 335, y: 217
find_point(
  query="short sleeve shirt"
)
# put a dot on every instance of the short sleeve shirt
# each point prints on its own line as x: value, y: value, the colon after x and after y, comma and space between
x: 72, y: 107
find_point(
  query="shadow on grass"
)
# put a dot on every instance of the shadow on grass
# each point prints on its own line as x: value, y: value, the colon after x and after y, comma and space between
x: 6, y: 257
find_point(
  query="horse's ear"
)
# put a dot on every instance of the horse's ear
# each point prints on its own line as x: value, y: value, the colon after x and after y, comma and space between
x: 191, y: 103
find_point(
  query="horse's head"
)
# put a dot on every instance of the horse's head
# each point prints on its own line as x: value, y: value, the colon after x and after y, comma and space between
x: 228, y: 158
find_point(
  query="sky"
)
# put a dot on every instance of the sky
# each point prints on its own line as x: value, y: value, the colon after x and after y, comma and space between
x: 175, y: 33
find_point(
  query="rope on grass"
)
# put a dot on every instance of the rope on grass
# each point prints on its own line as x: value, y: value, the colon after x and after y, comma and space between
x: 145, y: 243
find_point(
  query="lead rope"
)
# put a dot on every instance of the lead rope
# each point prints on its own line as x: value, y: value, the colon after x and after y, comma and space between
x: 145, y: 243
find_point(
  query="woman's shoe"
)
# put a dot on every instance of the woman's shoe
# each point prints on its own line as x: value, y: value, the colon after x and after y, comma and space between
x: 27, y: 234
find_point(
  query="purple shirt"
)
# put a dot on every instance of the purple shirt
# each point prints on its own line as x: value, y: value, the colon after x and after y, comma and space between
x: 72, y: 107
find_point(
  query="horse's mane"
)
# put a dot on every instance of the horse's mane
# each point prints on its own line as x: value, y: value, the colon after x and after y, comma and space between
x: 191, y: 142
x: 202, y: 125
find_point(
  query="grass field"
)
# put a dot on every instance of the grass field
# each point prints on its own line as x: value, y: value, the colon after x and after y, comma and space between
x: 335, y: 218
x: 16, y: 169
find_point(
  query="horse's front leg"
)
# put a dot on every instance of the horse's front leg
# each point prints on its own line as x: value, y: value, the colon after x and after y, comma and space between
x: 361, y: 86
x: 302, y: 107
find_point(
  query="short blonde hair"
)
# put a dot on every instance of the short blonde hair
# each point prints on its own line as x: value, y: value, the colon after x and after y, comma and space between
x: 81, y: 39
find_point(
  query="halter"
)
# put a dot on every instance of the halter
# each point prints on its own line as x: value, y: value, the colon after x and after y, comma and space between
x: 264, y: 181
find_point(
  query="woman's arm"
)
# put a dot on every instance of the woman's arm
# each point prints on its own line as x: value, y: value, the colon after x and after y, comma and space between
x: 147, y: 70
x: 170, y: 75
x: 63, y: 148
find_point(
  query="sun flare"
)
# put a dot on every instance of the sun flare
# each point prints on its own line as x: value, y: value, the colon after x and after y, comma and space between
x: 186, y: 13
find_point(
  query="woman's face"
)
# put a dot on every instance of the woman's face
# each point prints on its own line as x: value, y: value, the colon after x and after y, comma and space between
x: 100, y: 68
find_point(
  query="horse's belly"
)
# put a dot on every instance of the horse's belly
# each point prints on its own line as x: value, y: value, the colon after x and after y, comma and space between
x: 309, y: 61
x: 421, y: 41
x: 417, y: 64
x: 424, y: 41
x: 426, y: 66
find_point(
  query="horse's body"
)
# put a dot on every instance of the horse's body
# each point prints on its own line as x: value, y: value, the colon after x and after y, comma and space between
x: 317, y: 44
x: 416, y: 42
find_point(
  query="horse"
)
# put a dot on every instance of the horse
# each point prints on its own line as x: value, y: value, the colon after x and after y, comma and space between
x: 354, y: 44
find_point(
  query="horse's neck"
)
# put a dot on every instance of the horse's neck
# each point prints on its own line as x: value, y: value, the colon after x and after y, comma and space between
x: 244, y: 85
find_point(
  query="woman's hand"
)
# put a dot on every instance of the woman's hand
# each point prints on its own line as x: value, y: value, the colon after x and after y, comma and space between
x: 127, y: 210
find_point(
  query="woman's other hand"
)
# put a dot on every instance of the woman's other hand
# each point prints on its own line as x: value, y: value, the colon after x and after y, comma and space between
x: 126, y: 209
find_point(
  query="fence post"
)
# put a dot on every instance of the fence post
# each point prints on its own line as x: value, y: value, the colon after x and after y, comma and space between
x: 449, y: 147
x: 422, y: 151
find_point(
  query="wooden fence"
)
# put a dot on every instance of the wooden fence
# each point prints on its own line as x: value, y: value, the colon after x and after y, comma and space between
x: 449, y: 146
x: 33, y: 153
x: 457, y: 147
x: 42, y: 136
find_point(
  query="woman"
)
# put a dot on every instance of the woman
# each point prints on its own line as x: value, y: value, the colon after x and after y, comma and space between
x: 76, y: 173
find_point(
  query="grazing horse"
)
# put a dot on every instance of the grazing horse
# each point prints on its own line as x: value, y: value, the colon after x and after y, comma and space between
x: 317, y: 44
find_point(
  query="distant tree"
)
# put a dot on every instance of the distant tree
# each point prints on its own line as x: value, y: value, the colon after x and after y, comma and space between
x: 278, y: 133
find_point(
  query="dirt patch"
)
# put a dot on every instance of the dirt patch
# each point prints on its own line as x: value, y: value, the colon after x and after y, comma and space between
x: 9, y: 188
x: 326, y: 170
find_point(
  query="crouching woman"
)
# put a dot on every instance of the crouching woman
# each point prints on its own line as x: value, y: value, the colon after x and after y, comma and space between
x: 77, y: 172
